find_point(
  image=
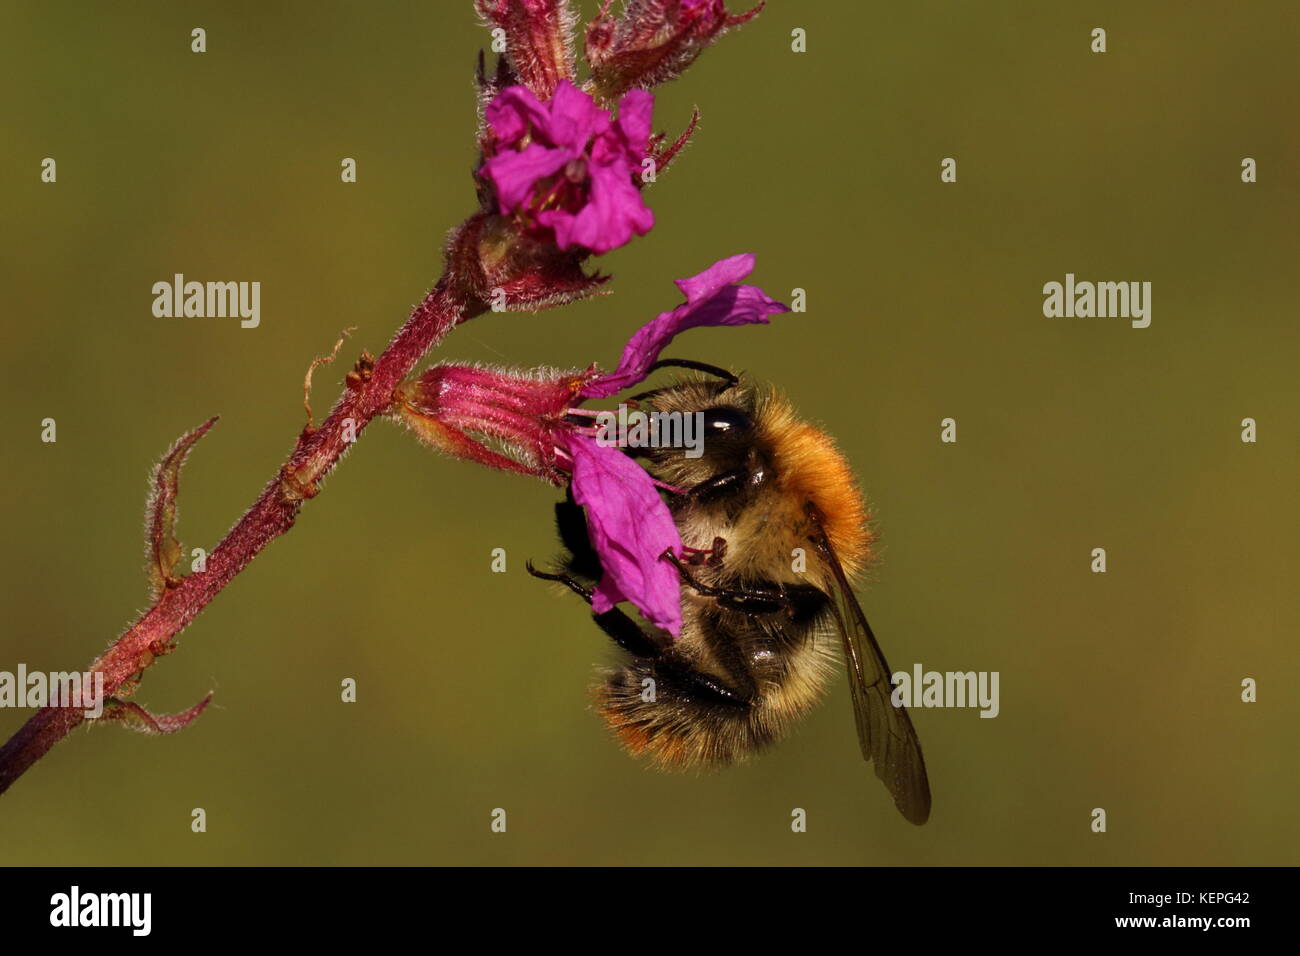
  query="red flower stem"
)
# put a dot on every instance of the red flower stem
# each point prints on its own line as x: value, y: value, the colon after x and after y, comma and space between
x: 369, y: 393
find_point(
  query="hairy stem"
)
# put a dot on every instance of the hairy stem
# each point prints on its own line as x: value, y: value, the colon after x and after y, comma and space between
x: 318, y: 450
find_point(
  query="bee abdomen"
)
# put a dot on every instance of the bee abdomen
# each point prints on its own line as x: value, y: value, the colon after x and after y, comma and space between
x: 682, y: 719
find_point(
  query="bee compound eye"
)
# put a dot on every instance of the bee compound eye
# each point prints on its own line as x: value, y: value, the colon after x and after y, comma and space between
x: 726, y: 421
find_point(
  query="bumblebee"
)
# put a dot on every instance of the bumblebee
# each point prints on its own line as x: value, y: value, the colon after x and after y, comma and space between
x: 773, y: 528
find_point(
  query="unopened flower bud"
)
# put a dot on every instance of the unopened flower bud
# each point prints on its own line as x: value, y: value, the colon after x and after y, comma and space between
x: 538, y: 37
x: 653, y: 41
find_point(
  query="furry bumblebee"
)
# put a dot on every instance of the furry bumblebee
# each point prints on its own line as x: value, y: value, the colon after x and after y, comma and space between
x: 760, y: 640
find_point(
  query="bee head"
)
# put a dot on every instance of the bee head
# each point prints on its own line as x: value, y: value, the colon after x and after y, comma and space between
x: 707, y: 426
x: 749, y: 438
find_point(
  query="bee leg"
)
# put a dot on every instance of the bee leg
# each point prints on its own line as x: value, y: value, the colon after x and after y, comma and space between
x: 618, y: 627
x: 574, y: 586
x: 711, y: 556
x: 627, y: 633
x: 571, y: 522
x: 751, y: 602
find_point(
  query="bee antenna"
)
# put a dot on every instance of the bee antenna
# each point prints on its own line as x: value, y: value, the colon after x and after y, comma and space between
x: 729, y: 377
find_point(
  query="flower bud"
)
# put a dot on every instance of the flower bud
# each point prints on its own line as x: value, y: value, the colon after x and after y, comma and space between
x: 495, y: 264
x: 653, y: 42
x: 539, y: 40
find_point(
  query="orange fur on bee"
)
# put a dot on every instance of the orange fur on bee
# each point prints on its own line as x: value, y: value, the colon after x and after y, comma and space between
x: 809, y: 465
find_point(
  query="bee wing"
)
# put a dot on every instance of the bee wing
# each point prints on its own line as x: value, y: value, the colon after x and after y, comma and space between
x: 885, y: 732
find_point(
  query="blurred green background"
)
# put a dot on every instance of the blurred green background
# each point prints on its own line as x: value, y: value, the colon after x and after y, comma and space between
x: 1119, y: 690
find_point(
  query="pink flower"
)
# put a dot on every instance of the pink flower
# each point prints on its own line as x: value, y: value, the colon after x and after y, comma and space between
x: 533, y: 416
x: 566, y: 166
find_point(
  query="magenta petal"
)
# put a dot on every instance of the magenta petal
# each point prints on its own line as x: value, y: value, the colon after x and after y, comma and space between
x: 575, y: 118
x: 630, y: 527
x: 513, y: 111
x: 635, y: 112
x: 515, y: 173
x: 614, y: 211
x: 716, y: 277
x: 711, y: 299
